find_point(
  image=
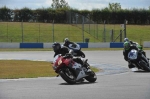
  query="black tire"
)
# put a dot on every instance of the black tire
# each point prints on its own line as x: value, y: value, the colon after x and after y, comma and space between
x: 92, y: 77
x: 145, y: 65
x: 67, y: 75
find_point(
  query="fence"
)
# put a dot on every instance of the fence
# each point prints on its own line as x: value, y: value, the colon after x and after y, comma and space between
x: 103, y: 32
x: 24, y: 32
x: 78, y: 28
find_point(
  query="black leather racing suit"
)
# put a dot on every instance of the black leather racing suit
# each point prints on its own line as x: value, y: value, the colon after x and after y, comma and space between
x: 68, y: 43
x: 63, y: 50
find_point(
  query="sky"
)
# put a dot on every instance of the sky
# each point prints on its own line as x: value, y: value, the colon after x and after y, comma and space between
x: 76, y: 4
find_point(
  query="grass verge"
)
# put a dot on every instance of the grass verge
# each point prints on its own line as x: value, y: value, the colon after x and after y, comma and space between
x: 14, y: 69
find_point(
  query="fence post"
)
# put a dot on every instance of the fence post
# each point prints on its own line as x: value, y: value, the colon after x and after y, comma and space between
x: 39, y: 32
x: 125, y: 35
x: 111, y: 35
x: 97, y: 29
x: 22, y: 30
x: 120, y: 35
x: 104, y: 33
x: 53, y: 30
x: 83, y: 28
x: 7, y: 31
x: 89, y: 29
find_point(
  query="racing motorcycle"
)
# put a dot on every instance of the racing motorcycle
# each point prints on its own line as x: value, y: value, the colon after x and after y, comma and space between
x: 139, y: 60
x: 71, y: 71
x: 76, y: 50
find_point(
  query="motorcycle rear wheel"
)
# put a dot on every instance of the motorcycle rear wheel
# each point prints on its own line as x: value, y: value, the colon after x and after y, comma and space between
x: 92, y: 77
x: 145, y: 65
x: 67, y: 75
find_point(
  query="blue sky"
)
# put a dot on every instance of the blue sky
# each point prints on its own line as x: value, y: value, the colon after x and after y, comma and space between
x: 78, y: 4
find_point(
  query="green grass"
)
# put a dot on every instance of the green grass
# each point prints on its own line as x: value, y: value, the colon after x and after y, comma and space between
x: 138, y: 33
x: 10, y: 69
x: 13, y: 69
x: 39, y: 32
x: 43, y: 32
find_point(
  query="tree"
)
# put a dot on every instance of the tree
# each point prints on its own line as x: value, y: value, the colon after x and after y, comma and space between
x: 44, y: 15
x: 25, y: 14
x: 64, y: 4
x: 5, y: 14
x: 59, y: 4
x: 55, y: 4
x: 114, y: 6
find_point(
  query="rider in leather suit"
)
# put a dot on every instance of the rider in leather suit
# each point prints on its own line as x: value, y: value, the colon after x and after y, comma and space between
x: 135, y: 44
x: 63, y: 50
x: 67, y: 42
x: 75, y: 47
x: 127, y: 48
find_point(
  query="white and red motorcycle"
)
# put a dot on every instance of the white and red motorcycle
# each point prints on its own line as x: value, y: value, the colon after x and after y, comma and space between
x: 71, y: 71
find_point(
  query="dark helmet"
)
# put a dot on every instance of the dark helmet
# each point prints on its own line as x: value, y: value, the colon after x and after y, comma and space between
x: 66, y: 40
x: 56, y: 47
x: 126, y: 39
x: 126, y: 45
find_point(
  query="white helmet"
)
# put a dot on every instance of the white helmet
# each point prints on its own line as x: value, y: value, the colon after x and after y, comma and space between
x: 66, y: 40
x: 126, y: 39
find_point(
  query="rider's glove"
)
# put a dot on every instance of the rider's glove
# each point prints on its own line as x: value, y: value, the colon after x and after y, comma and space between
x: 68, y: 55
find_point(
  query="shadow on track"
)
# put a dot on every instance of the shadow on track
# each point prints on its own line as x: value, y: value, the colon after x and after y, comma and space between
x: 78, y: 83
x: 141, y: 71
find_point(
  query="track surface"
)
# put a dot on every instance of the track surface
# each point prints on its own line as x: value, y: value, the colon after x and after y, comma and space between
x: 115, y: 82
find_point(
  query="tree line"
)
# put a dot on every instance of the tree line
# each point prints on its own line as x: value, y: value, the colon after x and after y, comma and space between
x: 113, y: 14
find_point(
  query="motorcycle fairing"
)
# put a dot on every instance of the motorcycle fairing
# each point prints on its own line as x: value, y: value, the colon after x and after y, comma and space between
x: 132, y: 55
x: 74, y: 46
x: 80, y: 71
x: 81, y: 74
x: 59, y: 61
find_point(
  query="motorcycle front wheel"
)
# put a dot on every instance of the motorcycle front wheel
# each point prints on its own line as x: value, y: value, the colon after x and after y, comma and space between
x: 92, y: 77
x: 67, y: 75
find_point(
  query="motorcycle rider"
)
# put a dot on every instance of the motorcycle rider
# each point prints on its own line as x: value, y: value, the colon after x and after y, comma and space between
x: 67, y: 43
x: 59, y: 50
x: 136, y: 44
x: 126, y: 39
x: 73, y: 46
x: 63, y: 50
x: 70, y: 45
x: 127, y: 48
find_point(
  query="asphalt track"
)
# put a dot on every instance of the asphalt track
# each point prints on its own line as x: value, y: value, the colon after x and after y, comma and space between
x: 116, y: 81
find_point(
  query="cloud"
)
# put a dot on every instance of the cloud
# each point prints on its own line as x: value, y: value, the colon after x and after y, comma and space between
x: 77, y: 4
x: 88, y: 4
x: 33, y: 4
